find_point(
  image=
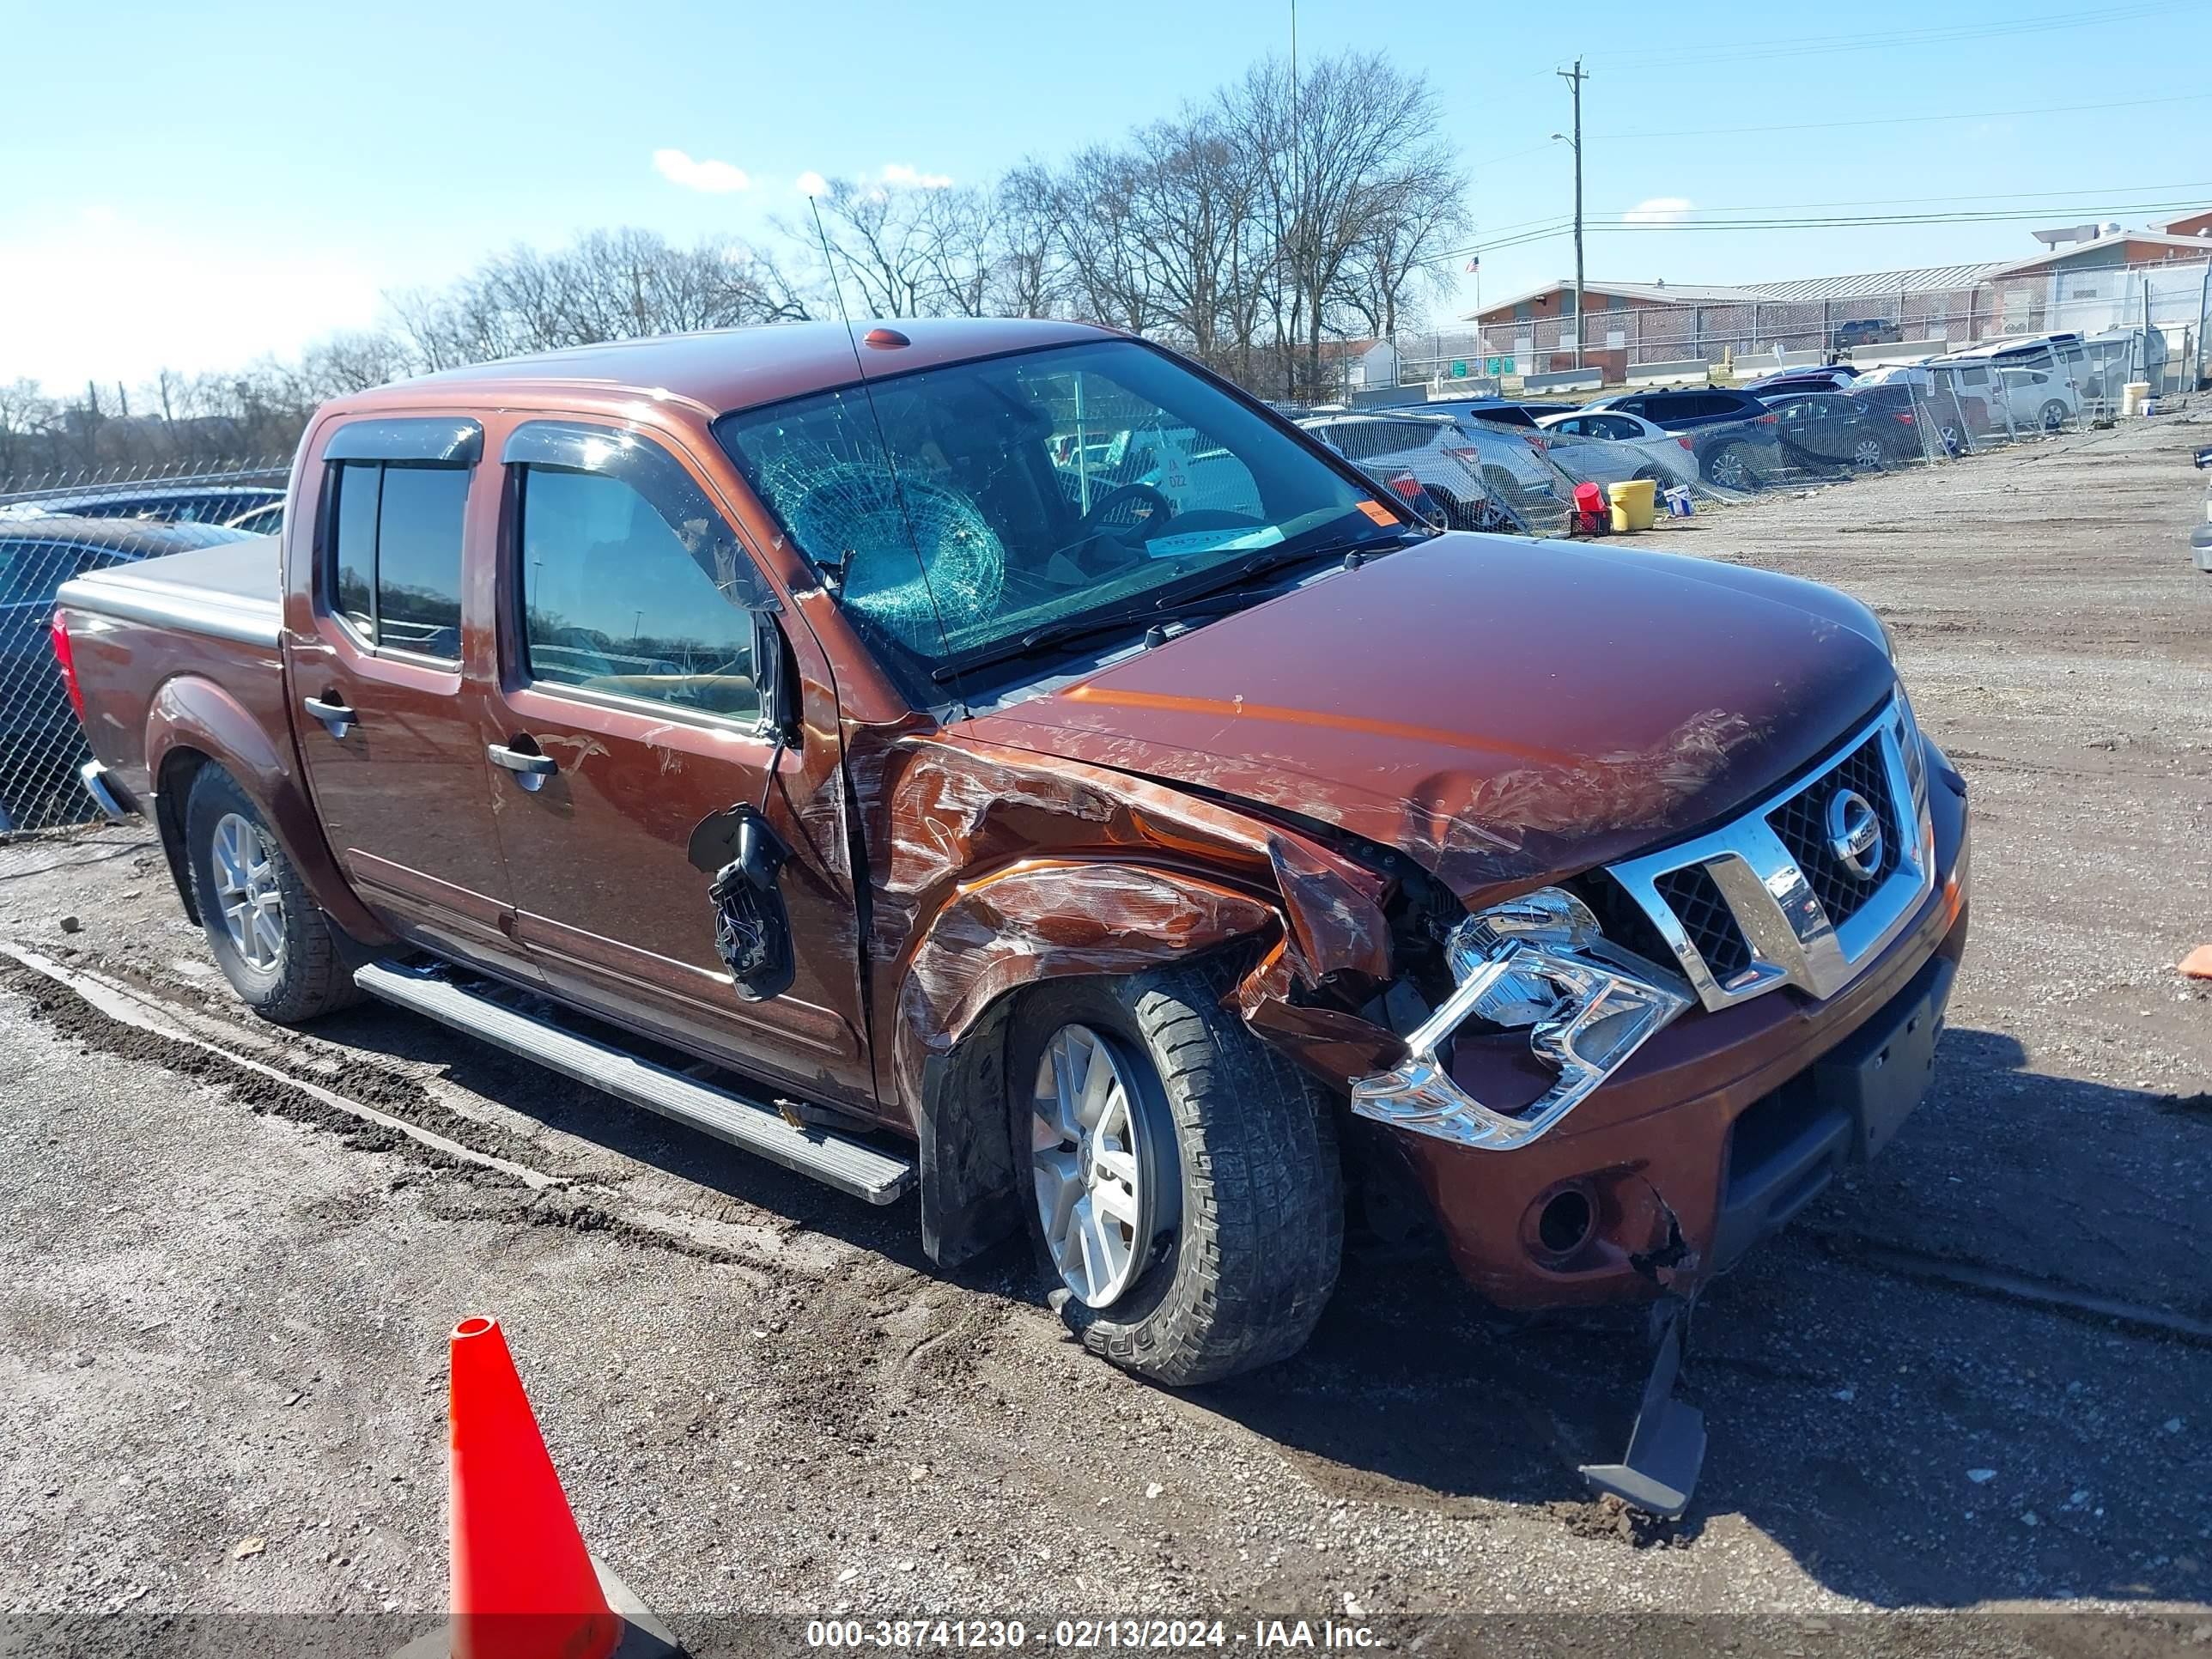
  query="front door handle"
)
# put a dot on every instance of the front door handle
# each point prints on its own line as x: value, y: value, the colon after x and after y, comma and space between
x: 531, y: 769
x: 337, y: 719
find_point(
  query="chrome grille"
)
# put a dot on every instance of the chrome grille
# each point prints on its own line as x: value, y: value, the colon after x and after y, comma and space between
x: 1802, y: 822
x: 1763, y: 901
x: 1697, y: 904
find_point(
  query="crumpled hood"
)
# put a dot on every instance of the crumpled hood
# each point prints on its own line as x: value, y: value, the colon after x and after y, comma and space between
x: 1505, y: 711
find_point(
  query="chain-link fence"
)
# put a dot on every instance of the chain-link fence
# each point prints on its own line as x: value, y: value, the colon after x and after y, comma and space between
x: 2144, y: 322
x: 57, y: 525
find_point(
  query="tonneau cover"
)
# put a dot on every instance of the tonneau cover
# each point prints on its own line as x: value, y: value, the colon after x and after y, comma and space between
x: 233, y: 591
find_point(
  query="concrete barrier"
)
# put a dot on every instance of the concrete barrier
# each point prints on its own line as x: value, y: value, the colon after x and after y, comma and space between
x: 1565, y: 380
x: 1688, y: 371
x: 1896, y: 351
x: 1753, y: 364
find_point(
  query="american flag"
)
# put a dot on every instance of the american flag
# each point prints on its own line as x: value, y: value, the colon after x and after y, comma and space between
x: 1475, y: 264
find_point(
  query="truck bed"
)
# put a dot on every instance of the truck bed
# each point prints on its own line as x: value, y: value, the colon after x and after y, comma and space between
x: 233, y: 591
x: 199, y: 629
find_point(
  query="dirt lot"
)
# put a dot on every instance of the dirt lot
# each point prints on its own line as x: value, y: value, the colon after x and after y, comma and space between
x: 1979, y: 1376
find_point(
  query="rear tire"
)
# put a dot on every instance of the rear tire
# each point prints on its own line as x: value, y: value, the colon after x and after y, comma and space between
x: 2053, y: 415
x: 1729, y: 468
x: 1246, y: 1222
x: 277, y: 950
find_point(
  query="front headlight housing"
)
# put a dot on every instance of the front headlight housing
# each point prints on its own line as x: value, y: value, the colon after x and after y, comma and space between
x: 1540, y: 962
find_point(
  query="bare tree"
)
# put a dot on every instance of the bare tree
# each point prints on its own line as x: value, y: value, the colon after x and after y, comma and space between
x: 879, y: 244
x: 1352, y: 142
x: 1285, y: 211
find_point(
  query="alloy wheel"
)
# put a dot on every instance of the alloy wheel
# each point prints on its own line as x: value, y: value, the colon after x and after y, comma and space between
x: 1092, y: 1165
x: 247, y: 892
x: 1866, y: 452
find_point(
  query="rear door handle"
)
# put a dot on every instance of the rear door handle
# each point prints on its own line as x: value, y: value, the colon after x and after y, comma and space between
x: 337, y: 719
x: 531, y: 770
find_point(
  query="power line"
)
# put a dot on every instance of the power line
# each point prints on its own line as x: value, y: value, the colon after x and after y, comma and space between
x: 1838, y: 222
x: 1803, y: 215
x: 1881, y: 121
x: 1882, y: 40
x: 2107, y: 190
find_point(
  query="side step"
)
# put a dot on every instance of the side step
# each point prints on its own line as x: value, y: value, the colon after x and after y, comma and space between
x: 848, y: 1165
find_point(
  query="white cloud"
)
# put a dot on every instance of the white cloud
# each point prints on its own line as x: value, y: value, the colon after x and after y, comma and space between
x: 900, y: 176
x: 103, y: 296
x: 811, y: 184
x: 713, y: 178
x: 1658, y: 211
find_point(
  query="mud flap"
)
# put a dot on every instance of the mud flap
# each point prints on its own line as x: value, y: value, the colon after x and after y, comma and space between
x: 1667, y: 1446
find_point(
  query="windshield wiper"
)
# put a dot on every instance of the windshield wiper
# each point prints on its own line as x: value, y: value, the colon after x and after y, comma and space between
x: 1224, y: 593
x: 1281, y: 558
x: 1170, y: 608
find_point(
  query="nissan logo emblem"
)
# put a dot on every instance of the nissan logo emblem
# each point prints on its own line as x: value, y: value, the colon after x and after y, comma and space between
x: 1855, y: 834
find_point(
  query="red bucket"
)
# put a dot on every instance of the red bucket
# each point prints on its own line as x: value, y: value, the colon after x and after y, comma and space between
x: 1593, y: 517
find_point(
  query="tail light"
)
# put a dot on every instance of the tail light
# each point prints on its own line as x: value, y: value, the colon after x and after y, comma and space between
x: 1466, y: 456
x: 1541, y: 445
x: 65, y: 658
x: 1683, y: 439
x: 1407, y: 487
x: 1902, y: 416
x: 1766, y: 420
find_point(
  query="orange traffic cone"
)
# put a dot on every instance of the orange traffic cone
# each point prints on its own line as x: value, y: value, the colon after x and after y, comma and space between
x: 2197, y: 964
x: 524, y: 1586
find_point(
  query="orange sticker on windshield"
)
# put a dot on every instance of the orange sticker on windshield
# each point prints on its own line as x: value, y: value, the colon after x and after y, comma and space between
x: 1377, y: 511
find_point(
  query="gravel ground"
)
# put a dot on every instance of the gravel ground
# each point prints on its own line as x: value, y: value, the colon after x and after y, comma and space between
x: 225, y: 1304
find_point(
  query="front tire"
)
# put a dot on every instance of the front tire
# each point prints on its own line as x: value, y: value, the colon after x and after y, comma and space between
x: 2054, y: 416
x: 277, y: 950
x: 1207, y: 1160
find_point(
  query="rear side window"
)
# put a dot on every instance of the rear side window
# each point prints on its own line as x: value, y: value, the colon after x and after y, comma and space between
x: 395, y: 560
x: 394, y: 494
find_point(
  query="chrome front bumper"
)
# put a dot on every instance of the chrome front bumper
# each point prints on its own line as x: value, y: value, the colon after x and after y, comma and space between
x: 1805, y: 889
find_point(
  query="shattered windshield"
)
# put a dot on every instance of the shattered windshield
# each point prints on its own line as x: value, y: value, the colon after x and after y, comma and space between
x: 1022, y: 494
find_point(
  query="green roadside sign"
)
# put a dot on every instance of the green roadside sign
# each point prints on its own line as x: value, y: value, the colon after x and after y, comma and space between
x: 1459, y: 370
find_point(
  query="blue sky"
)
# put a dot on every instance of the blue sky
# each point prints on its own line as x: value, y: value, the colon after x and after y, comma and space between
x: 193, y: 185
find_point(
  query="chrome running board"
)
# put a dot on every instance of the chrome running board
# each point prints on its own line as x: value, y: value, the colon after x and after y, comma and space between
x: 849, y: 1165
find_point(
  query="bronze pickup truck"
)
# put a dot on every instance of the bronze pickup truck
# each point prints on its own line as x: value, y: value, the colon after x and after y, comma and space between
x: 1004, y: 759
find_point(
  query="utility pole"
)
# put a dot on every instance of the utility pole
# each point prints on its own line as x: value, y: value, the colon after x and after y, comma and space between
x: 1574, y: 78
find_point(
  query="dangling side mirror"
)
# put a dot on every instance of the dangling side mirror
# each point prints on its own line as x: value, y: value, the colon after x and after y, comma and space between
x: 741, y: 853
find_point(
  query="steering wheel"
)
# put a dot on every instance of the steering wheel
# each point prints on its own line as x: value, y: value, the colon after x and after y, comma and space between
x: 1162, y: 508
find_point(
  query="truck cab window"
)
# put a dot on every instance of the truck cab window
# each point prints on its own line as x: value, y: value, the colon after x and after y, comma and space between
x: 616, y: 601
x: 396, y: 554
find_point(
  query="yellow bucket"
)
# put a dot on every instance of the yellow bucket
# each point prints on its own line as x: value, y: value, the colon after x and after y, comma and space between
x: 1635, y: 503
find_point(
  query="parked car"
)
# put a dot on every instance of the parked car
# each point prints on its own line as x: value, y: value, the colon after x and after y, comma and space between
x: 2117, y: 356
x: 1865, y: 331
x: 2038, y: 378
x: 1610, y: 446
x: 1118, y: 878
x: 1498, y: 411
x: 1484, y: 478
x: 1833, y: 377
x: 260, y: 521
x: 1961, y: 398
x: 1731, y: 433
x: 155, y: 503
x: 39, y: 748
x: 1828, y: 430
x: 1908, y: 413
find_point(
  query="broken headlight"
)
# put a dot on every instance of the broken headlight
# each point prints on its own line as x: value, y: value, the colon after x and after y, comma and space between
x: 1541, y: 962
